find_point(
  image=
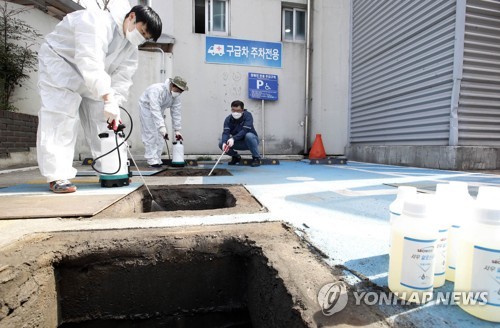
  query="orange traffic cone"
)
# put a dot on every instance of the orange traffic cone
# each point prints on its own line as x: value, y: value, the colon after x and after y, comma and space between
x: 317, y: 150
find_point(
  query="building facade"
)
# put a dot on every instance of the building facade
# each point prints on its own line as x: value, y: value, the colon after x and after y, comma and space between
x: 286, y: 125
x: 406, y: 83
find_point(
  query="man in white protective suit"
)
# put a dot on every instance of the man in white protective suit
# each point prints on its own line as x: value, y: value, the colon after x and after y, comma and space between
x: 85, y: 70
x: 152, y: 104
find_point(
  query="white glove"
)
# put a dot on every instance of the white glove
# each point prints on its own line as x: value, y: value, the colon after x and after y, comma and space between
x: 178, y: 136
x: 163, y: 132
x: 230, y: 142
x: 111, y: 110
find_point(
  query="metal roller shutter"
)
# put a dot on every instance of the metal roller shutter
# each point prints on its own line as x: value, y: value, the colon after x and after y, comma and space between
x: 401, y: 72
x: 479, y: 102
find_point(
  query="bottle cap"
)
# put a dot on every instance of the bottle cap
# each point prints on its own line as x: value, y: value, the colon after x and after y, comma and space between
x: 417, y: 206
x: 488, y: 194
x: 487, y: 213
x: 443, y: 190
x: 460, y: 190
x: 406, y: 191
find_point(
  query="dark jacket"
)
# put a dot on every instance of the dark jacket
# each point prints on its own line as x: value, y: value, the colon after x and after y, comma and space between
x: 238, y: 128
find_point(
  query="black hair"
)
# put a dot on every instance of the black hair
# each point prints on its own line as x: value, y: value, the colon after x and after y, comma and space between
x: 147, y: 16
x: 238, y: 103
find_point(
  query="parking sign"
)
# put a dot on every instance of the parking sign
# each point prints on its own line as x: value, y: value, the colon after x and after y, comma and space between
x: 262, y: 86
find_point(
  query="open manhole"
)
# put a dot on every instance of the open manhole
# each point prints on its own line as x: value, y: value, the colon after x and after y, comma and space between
x: 186, y: 200
x: 191, y: 172
x: 175, y: 288
x: 251, y: 275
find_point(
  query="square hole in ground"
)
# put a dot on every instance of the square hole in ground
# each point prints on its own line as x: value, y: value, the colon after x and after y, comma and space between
x: 190, y: 172
x: 247, y: 275
x: 185, y: 200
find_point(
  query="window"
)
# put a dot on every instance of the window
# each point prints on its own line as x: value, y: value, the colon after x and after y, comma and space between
x: 211, y: 17
x: 294, y: 25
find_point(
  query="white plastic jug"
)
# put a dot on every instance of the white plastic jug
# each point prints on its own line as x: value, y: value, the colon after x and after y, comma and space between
x: 478, y: 266
x: 442, y: 203
x: 113, y: 167
x: 459, y: 213
x: 413, y: 245
x: 396, y: 207
x: 178, y: 154
x: 488, y: 194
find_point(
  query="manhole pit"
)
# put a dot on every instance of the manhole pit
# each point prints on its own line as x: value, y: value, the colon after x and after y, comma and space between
x: 190, y: 172
x: 185, y: 200
x: 186, y: 288
x: 186, y: 277
x: 190, y: 199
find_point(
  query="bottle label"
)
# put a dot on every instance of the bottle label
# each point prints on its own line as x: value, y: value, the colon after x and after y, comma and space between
x: 486, y: 273
x: 417, y: 270
x: 441, y: 247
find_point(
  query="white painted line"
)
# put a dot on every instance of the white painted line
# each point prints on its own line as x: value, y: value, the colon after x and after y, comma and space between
x: 22, y: 169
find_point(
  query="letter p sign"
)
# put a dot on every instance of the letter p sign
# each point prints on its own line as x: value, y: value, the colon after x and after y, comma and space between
x: 259, y: 83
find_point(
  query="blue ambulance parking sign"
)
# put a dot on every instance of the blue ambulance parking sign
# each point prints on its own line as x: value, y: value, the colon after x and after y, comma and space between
x: 262, y: 86
x: 242, y: 52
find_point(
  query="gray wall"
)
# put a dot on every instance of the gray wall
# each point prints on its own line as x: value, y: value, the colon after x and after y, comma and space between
x: 26, y: 97
x: 330, y: 74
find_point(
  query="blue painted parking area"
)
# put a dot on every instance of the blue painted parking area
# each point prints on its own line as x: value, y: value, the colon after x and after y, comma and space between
x: 343, y: 210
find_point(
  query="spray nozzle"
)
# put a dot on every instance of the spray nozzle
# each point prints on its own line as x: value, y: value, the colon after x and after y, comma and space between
x: 116, y: 126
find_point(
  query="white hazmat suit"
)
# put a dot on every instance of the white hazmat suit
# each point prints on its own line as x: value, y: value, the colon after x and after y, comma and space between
x: 85, y: 57
x: 153, y: 103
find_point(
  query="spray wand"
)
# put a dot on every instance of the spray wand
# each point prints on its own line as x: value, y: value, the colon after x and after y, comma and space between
x: 226, y: 148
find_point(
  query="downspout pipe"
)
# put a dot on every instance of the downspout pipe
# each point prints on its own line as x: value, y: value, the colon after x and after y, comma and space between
x: 163, y: 71
x: 308, y: 68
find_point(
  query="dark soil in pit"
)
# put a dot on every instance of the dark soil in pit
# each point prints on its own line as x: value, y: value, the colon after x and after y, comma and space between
x: 191, y: 172
x: 247, y: 275
x: 186, y: 200
x: 193, y: 199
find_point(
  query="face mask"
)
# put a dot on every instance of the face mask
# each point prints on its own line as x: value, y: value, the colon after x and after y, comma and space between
x: 135, y: 37
x: 175, y: 94
x: 236, y: 115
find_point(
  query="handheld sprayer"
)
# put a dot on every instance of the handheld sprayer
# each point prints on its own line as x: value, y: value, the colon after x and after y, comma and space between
x: 114, y: 170
x: 118, y: 173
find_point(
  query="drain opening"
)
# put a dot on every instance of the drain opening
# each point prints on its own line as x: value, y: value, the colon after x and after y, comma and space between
x: 173, y: 289
x: 190, y: 172
x: 185, y: 199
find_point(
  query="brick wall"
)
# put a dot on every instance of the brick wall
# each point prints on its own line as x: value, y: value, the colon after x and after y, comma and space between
x: 17, y: 132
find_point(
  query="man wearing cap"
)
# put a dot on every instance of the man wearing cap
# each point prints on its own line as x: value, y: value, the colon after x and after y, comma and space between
x: 153, y: 102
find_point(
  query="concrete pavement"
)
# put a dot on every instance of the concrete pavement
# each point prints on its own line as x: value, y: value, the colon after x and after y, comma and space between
x: 341, y: 210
